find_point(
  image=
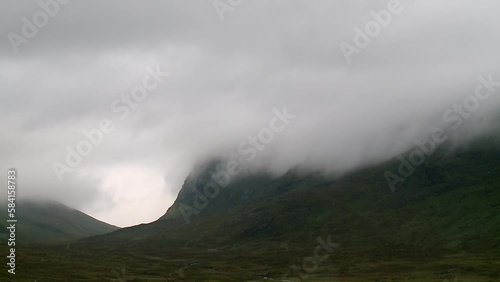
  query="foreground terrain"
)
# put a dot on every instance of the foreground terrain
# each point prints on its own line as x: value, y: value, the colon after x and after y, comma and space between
x: 395, y: 263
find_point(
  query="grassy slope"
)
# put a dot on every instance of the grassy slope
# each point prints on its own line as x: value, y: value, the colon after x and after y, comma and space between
x: 450, y: 203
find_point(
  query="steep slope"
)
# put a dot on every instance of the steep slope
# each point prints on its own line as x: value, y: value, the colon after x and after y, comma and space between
x: 51, y: 222
x: 450, y: 204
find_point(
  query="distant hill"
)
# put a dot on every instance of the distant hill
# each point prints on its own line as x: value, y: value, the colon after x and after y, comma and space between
x: 3, y: 233
x: 51, y: 222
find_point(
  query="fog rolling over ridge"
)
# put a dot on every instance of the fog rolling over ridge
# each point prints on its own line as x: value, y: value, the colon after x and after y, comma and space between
x: 227, y: 79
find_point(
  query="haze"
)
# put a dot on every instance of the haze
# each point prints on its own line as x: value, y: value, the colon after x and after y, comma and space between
x: 225, y: 77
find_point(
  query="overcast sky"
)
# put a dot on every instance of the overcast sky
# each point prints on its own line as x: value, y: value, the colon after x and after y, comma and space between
x: 228, y: 69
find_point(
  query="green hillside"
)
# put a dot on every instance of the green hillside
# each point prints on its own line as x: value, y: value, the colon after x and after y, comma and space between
x: 443, y: 205
x: 52, y: 222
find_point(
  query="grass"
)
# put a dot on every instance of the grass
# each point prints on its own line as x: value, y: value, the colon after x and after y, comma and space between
x: 59, y: 263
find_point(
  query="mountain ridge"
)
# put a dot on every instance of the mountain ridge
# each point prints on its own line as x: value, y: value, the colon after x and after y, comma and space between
x: 237, y: 212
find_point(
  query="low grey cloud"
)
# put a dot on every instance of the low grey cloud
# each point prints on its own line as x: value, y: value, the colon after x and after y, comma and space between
x: 226, y: 77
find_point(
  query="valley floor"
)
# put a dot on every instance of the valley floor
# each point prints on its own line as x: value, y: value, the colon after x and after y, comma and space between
x: 65, y: 263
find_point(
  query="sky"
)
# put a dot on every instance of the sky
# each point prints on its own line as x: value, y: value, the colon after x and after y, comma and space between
x: 108, y: 106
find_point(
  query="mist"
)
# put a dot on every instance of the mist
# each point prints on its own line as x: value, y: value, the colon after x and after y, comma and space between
x: 227, y: 77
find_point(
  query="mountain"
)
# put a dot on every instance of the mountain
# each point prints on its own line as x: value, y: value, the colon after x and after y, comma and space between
x: 442, y: 205
x: 441, y: 224
x: 50, y: 222
x: 444, y: 217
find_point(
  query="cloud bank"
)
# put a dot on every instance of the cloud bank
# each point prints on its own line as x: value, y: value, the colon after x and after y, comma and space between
x: 225, y: 78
